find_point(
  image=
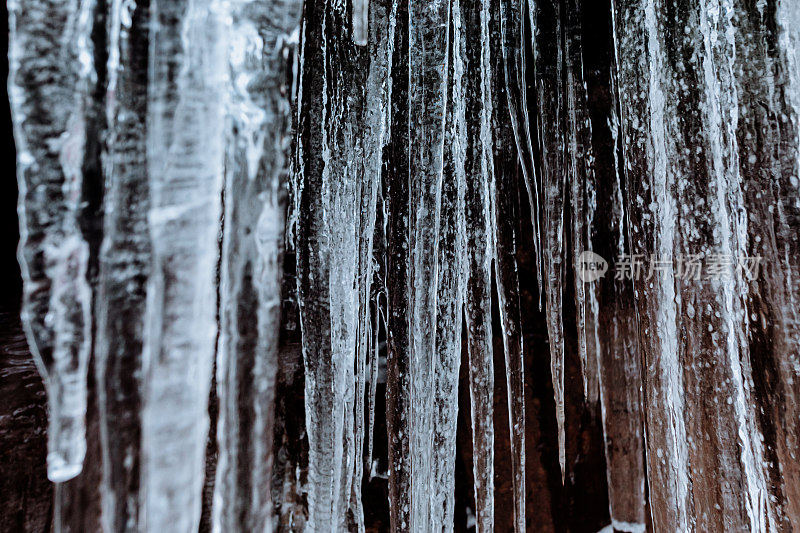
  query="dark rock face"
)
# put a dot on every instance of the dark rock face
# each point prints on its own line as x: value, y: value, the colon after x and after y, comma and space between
x: 25, y: 493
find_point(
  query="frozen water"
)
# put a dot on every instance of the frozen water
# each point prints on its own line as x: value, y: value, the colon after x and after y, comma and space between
x: 156, y: 141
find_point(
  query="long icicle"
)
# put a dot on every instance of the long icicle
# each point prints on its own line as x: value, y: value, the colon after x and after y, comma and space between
x: 450, y: 296
x: 428, y: 65
x: 473, y: 48
x: 382, y: 17
x: 54, y: 38
x: 185, y: 171
x: 333, y: 243
x: 505, y: 206
x: 549, y: 60
x: 250, y: 292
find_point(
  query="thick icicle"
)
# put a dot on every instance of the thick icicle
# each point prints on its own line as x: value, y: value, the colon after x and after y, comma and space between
x: 473, y: 51
x: 259, y: 140
x: 125, y: 258
x: 334, y: 243
x: 505, y: 206
x: 549, y: 60
x: 185, y: 156
x: 51, y: 68
x: 419, y: 95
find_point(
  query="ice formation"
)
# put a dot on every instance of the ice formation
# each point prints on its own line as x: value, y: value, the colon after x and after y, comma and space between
x: 396, y: 168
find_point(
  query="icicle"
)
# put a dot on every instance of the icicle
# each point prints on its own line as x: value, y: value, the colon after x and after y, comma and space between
x: 549, y: 58
x: 124, y: 266
x: 505, y: 206
x: 185, y: 155
x: 334, y: 251
x: 579, y: 169
x: 510, y: 16
x: 257, y: 167
x: 450, y: 295
x: 473, y: 48
x: 376, y: 106
x: 52, y: 39
x: 427, y: 97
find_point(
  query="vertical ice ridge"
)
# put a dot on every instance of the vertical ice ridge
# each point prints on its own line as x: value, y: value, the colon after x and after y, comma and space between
x: 382, y: 15
x: 720, y: 114
x: 258, y: 138
x: 372, y: 140
x: 185, y: 172
x: 51, y: 70
x: 766, y: 75
x: 125, y: 257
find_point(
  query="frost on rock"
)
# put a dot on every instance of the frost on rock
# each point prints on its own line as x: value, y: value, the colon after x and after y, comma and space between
x: 700, y: 357
x: 51, y: 71
x: 185, y: 171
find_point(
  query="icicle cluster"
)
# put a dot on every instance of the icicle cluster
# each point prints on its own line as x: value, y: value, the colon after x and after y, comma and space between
x: 398, y: 169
